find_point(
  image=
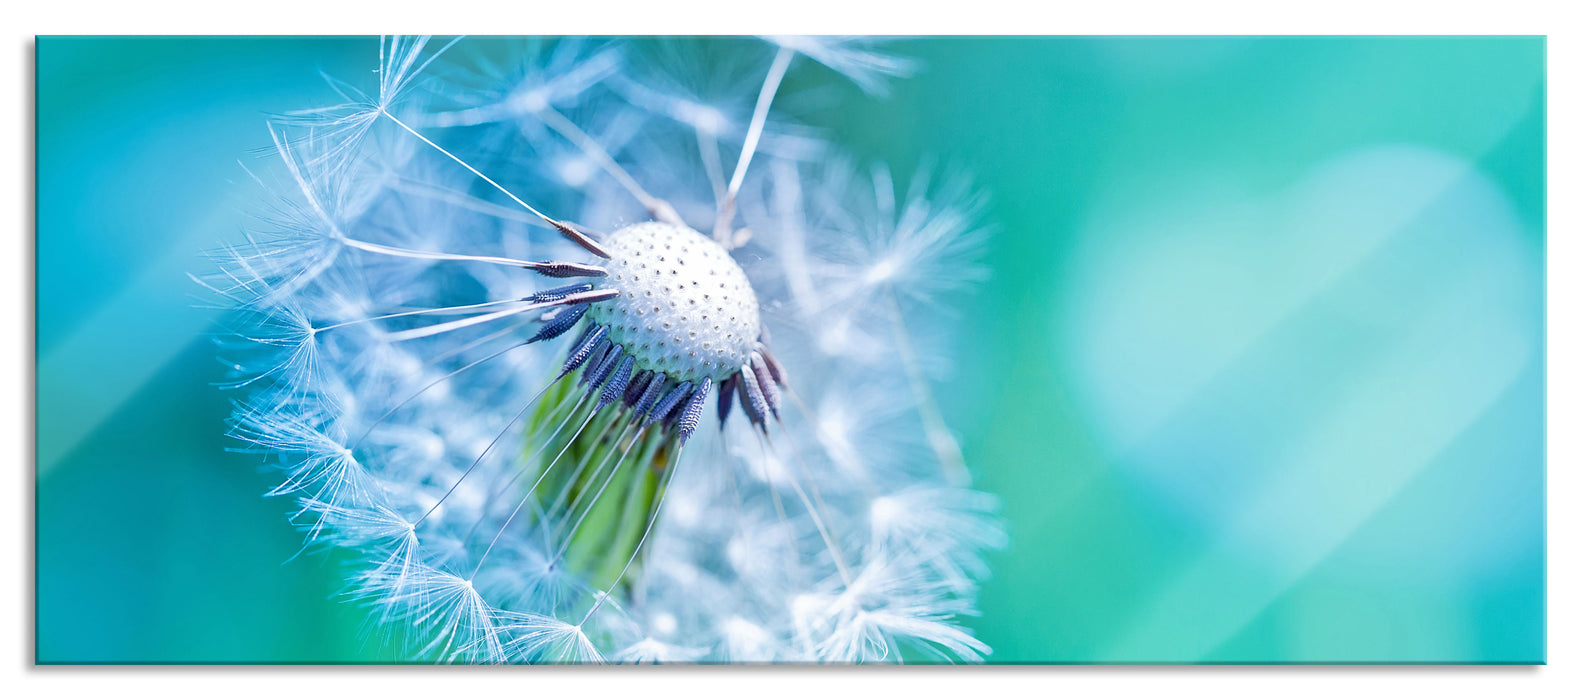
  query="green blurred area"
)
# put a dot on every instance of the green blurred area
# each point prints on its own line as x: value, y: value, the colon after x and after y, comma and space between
x: 1258, y: 372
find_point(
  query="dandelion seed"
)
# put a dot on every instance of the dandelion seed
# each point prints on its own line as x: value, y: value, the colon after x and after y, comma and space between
x: 576, y: 442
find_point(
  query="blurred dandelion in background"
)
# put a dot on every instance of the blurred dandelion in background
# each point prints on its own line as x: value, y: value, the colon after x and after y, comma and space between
x: 594, y: 353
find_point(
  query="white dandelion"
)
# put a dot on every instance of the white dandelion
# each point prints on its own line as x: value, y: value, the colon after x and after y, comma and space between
x: 593, y: 355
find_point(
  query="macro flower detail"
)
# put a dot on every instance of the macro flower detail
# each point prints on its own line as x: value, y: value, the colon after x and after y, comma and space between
x: 593, y: 355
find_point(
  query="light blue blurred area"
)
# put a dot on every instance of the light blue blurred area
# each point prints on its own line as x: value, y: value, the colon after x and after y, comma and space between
x: 1278, y: 372
x: 154, y: 543
x: 1258, y: 372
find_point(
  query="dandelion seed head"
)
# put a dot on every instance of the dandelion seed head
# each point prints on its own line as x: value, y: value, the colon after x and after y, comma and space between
x: 694, y: 425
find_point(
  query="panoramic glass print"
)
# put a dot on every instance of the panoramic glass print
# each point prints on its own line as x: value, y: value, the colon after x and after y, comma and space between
x: 790, y: 350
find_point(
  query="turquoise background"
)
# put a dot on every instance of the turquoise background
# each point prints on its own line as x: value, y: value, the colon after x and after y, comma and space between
x: 1258, y: 372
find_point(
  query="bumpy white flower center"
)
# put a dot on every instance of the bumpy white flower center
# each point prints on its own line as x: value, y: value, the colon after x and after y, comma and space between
x: 686, y: 308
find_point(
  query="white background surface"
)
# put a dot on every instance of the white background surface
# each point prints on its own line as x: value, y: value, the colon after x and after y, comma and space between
x: 1561, y: 678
